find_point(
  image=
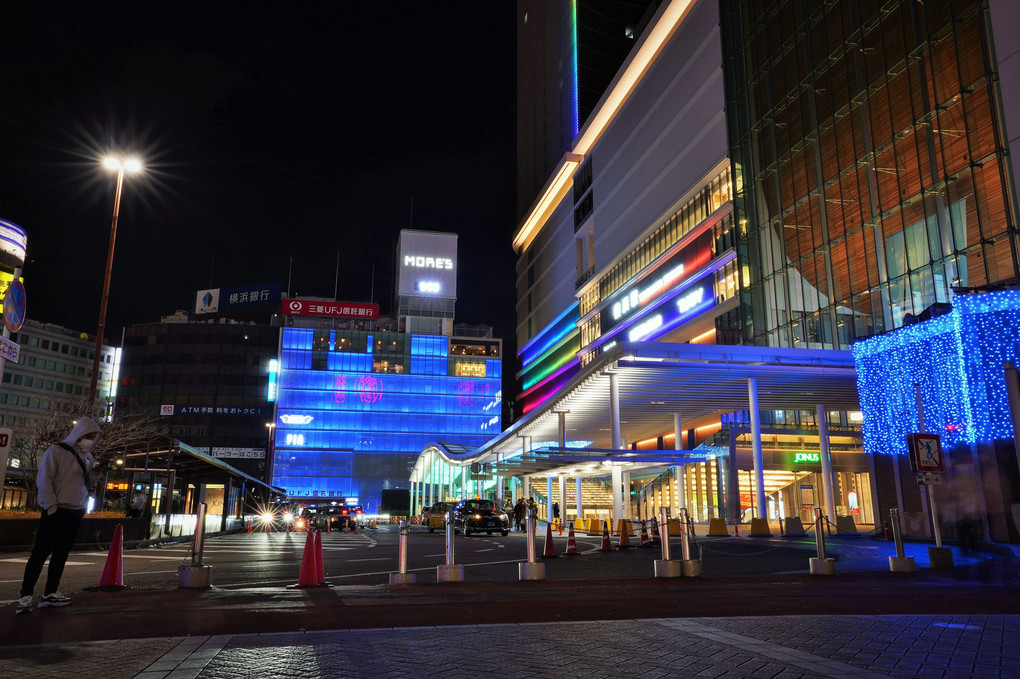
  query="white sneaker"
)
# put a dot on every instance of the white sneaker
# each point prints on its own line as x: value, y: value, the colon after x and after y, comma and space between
x: 24, y: 605
x: 55, y: 599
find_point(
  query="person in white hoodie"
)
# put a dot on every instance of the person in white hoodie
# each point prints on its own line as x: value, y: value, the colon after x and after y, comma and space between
x: 65, y: 481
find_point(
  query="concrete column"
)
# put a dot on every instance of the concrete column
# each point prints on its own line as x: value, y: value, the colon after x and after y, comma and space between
x: 681, y: 477
x: 577, y: 500
x: 617, y: 493
x: 548, y: 497
x: 614, y: 413
x: 625, y: 497
x: 563, y: 498
x: 823, y: 443
x: 759, y: 472
x: 463, y: 482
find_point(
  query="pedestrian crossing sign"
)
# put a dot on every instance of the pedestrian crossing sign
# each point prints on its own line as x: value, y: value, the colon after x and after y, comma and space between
x: 926, y: 453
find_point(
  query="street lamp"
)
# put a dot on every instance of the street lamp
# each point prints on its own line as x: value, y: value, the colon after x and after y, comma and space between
x: 269, y: 452
x: 121, y: 165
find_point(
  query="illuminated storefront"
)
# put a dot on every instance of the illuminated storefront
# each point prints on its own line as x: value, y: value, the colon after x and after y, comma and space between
x: 355, y: 408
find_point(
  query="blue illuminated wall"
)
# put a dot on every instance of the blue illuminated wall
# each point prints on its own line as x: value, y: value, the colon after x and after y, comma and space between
x: 346, y: 428
x: 957, y: 359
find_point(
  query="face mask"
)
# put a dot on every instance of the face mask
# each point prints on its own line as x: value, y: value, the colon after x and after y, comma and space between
x: 87, y: 444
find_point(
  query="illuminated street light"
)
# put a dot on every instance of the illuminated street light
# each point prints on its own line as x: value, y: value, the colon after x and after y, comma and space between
x: 269, y: 451
x: 121, y: 165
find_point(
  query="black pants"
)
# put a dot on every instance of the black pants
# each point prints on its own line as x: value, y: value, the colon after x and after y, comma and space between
x: 53, y: 539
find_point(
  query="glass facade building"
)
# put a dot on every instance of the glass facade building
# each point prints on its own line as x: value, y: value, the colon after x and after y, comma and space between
x: 355, y: 408
x: 870, y: 163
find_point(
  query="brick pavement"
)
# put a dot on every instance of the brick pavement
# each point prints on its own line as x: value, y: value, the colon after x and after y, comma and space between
x: 754, y: 647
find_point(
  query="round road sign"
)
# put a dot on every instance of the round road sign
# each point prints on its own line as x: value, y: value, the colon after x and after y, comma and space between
x: 14, y: 306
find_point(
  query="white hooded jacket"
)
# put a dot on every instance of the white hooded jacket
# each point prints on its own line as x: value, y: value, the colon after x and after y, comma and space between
x: 60, y: 480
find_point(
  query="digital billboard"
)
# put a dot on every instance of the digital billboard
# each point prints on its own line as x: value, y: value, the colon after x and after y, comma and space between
x: 427, y: 264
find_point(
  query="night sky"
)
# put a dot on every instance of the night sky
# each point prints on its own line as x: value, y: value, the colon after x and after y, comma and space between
x: 268, y: 132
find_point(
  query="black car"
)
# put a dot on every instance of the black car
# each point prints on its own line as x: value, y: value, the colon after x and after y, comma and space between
x: 337, y: 517
x: 476, y: 516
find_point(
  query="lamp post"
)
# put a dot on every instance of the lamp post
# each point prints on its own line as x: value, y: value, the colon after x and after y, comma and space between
x: 131, y: 165
x: 269, y: 452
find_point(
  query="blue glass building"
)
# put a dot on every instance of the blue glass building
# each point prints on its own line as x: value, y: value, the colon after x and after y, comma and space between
x: 356, y: 407
x: 358, y: 398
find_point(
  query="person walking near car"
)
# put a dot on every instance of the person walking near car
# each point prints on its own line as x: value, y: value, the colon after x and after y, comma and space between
x: 65, y: 481
x: 519, y: 510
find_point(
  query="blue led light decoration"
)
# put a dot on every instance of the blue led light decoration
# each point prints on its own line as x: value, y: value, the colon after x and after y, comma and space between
x: 957, y: 361
x: 351, y: 421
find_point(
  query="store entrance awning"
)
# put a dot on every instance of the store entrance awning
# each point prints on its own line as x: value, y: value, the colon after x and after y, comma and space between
x: 699, y: 382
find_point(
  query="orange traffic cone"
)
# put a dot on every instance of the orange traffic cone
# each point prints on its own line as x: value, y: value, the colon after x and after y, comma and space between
x: 320, y: 569
x: 113, y: 573
x: 309, y: 575
x: 645, y: 542
x: 656, y: 540
x: 624, y: 542
x: 606, y: 544
x: 550, y: 550
x: 571, y: 543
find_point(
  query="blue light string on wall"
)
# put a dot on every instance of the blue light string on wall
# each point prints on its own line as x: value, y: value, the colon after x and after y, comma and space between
x: 956, y: 359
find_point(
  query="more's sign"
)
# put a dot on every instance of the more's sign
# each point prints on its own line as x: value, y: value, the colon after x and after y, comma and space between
x: 427, y: 264
x: 926, y: 453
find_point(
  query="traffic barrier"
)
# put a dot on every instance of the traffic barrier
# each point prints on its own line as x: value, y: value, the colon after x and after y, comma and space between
x: 623, y: 526
x: 624, y: 541
x: 717, y: 527
x: 674, y: 527
x: 550, y: 549
x: 320, y: 568
x: 309, y: 576
x: 794, y: 527
x: 593, y: 527
x: 113, y: 572
x: 645, y: 542
x: 845, y: 525
x: 760, y: 528
x: 571, y: 544
x: 607, y: 546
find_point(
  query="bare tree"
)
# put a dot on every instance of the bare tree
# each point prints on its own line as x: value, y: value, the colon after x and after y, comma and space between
x: 46, y: 427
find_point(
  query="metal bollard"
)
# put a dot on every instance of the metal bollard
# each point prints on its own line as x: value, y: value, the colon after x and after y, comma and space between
x: 450, y: 571
x: 449, y: 539
x: 198, y: 541
x: 531, y: 570
x: 531, y: 525
x: 402, y: 577
x: 894, y: 516
x: 821, y: 565
x: 196, y: 575
x: 819, y: 534
x: 667, y: 568
x: 899, y: 563
x: 685, y: 547
x: 664, y: 532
